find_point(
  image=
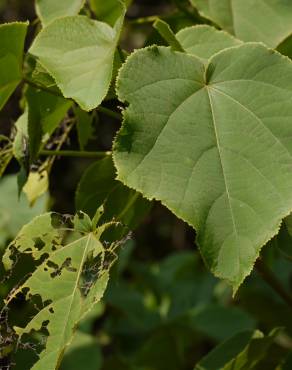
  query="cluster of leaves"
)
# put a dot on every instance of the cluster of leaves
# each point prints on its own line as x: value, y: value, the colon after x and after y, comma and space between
x: 206, y: 131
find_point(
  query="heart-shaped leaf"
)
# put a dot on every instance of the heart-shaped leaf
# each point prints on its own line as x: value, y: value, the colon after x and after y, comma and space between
x: 81, y: 61
x: 213, y: 144
x: 269, y: 21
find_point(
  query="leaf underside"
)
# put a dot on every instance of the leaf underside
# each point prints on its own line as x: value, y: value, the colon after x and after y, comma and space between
x: 212, y: 143
x: 78, y: 53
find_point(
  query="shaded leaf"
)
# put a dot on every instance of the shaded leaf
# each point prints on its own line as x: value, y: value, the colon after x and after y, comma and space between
x: 84, y: 349
x: 211, y: 142
x: 98, y: 186
x: 84, y: 126
x: 220, y: 322
x: 14, y: 211
x: 45, y: 112
x: 108, y: 11
x: 12, y: 36
x: 241, y: 352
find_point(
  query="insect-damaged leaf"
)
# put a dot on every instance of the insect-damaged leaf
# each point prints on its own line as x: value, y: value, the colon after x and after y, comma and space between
x: 81, y: 62
x: 269, y: 21
x: 213, y: 144
x: 71, y: 276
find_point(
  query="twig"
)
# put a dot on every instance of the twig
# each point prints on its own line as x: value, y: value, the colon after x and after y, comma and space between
x: 74, y: 153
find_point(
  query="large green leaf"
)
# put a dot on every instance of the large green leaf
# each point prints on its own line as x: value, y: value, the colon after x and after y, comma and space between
x: 71, y: 276
x: 48, y: 10
x: 269, y: 21
x: 81, y: 61
x: 205, y: 41
x: 12, y: 36
x: 212, y: 143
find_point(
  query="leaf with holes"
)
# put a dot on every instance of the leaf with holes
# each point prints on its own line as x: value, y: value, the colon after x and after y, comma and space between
x: 71, y: 276
x: 212, y: 143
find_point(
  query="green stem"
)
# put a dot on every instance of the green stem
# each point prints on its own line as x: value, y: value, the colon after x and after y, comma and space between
x: 110, y: 113
x: 165, y: 31
x: 101, y: 109
x: 269, y: 277
x: 143, y: 20
x: 42, y: 87
x: 74, y: 153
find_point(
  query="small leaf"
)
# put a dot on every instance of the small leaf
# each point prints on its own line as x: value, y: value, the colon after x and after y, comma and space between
x: 268, y: 21
x: 211, y: 142
x: 70, y: 278
x: 108, y: 11
x: 81, y: 61
x: 49, y: 10
x: 37, y: 184
x: 12, y: 36
x: 204, y: 41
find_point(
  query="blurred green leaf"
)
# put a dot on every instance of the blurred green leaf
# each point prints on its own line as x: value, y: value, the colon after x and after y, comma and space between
x: 241, y: 352
x: 98, y: 186
x: 84, y: 126
x: 14, y: 212
x: 108, y: 11
x: 220, y: 322
x: 12, y: 36
x: 83, y: 351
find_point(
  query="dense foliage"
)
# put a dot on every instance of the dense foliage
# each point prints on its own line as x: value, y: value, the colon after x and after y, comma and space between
x: 146, y: 185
